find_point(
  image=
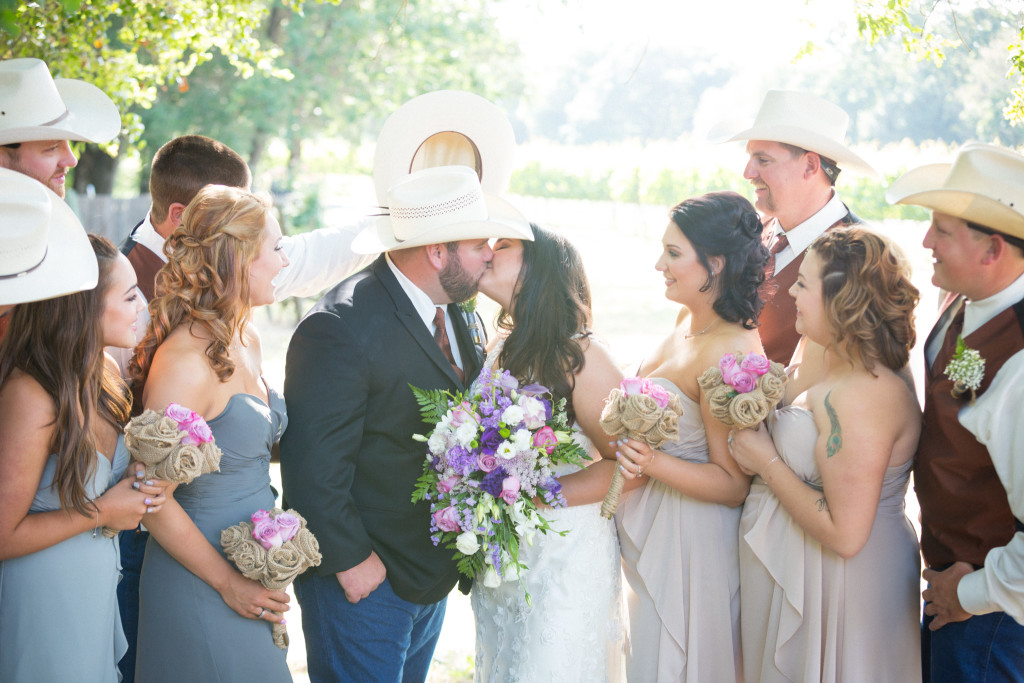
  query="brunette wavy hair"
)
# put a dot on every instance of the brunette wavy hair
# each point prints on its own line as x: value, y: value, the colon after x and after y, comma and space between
x: 725, y: 224
x: 206, y: 278
x: 869, y: 298
x: 549, y: 316
x: 59, y: 344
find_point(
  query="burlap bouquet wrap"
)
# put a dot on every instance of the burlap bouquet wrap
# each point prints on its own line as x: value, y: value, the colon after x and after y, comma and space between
x: 748, y: 409
x: 639, y: 417
x: 155, y: 441
x: 275, y: 568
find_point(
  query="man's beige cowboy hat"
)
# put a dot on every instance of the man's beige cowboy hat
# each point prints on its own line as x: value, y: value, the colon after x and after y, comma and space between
x: 443, y: 204
x: 36, y: 106
x: 984, y: 185
x: 802, y: 120
x: 44, y: 251
x: 445, y: 128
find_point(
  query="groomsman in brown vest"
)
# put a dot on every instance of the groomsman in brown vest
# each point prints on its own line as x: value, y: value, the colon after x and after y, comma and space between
x: 969, y: 472
x: 796, y: 147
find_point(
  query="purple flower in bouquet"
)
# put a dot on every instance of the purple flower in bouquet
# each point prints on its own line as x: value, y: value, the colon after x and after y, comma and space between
x: 490, y: 440
x: 492, y: 482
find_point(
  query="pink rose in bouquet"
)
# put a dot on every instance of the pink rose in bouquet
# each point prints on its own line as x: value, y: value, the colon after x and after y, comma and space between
x: 197, y: 432
x: 446, y: 485
x: 659, y: 394
x: 510, y: 489
x: 545, y: 438
x: 447, y: 519
x: 487, y: 462
x: 182, y: 415
x: 633, y: 386
x: 266, y: 531
x: 288, y: 525
x: 755, y: 363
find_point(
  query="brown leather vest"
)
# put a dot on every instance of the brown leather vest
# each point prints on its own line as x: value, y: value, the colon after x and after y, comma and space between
x: 964, y: 509
x: 146, y: 265
x: 777, y: 323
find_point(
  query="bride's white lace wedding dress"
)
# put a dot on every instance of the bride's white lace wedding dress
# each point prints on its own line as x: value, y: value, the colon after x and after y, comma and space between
x: 573, y: 631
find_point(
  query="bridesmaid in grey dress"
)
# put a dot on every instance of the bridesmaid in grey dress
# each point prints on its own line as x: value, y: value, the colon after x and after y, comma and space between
x: 678, y: 533
x: 829, y: 564
x: 199, y: 618
x: 61, y: 480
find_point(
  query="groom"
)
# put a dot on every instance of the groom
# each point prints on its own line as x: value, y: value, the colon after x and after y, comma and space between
x: 374, y: 607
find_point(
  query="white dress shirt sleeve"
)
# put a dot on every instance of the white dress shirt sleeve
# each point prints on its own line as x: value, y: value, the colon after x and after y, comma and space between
x: 319, y: 259
x: 995, y: 420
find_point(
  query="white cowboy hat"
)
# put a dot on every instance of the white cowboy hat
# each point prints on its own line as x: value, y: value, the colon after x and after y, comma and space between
x: 459, y: 125
x: 443, y: 204
x: 984, y: 185
x: 44, y: 251
x: 35, y: 106
x: 802, y: 120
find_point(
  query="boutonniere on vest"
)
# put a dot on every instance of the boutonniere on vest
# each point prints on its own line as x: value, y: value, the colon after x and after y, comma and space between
x: 472, y: 320
x: 966, y: 370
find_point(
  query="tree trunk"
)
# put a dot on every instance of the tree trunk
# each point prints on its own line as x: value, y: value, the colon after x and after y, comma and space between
x: 96, y: 168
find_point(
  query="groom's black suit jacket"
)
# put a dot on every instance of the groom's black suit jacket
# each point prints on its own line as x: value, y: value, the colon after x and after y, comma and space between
x: 348, y: 460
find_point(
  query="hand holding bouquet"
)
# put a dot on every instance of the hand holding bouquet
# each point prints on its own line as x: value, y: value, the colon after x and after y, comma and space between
x: 642, y: 410
x: 273, y: 549
x: 742, y: 390
x: 176, y: 446
x: 490, y: 452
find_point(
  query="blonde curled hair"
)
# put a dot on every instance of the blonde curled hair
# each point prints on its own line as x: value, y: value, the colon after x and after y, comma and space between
x: 206, y: 278
x: 868, y: 296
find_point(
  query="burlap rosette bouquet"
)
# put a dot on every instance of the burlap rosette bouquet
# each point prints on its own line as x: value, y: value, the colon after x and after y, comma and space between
x: 742, y: 390
x: 642, y: 410
x: 273, y: 549
x: 176, y: 446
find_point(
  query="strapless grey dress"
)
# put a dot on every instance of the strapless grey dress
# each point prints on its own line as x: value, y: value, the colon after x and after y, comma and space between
x: 681, y: 566
x: 808, y: 614
x: 58, y: 607
x: 186, y: 630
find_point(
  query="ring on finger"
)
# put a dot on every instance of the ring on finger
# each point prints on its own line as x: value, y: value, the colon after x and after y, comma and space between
x: 729, y: 438
x: 149, y: 509
x: 262, y: 610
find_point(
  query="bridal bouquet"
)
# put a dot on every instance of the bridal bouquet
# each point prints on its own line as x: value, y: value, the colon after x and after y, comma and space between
x: 176, y: 446
x: 642, y: 410
x: 490, y: 452
x: 742, y: 390
x: 273, y: 549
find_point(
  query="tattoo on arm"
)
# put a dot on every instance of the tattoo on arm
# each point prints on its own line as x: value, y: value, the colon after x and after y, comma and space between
x: 822, y: 504
x: 835, y: 437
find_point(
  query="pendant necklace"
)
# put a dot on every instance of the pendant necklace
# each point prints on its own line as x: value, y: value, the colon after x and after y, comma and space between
x: 704, y: 331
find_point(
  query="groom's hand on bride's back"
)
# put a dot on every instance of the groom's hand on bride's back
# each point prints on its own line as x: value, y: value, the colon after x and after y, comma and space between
x: 362, y: 579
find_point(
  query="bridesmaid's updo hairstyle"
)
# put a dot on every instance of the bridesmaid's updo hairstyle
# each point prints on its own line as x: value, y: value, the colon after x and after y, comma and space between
x: 869, y: 298
x: 725, y: 224
x: 550, y: 306
x: 206, y: 278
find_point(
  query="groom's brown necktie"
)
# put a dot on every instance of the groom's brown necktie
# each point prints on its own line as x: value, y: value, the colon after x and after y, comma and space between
x: 946, y: 352
x: 441, y: 337
x: 778, y: 243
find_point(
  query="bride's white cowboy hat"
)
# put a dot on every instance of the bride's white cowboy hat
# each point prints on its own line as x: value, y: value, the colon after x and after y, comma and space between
x: 444, y: 128
x: 802, y: 120
x: 36, y: 106
x: 984, y: 184
x: 44, y: 251
x: 435, y: 205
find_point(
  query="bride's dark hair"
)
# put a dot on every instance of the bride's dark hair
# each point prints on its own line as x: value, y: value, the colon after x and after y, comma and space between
x: 725, y: 224
x: 550, y: 307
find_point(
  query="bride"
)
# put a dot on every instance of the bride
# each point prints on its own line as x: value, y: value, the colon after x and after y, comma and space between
x: 570, y: 630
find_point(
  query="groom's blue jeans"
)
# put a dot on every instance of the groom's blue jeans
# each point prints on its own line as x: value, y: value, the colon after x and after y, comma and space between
x: 983, y: 649
x: 381, y: 638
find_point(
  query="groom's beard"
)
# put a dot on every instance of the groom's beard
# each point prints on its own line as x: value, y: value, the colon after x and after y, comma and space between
x: 456, y: 281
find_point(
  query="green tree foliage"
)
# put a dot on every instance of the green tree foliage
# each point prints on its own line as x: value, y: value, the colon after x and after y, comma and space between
x: 350, y: 66
x: 936, y: 30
